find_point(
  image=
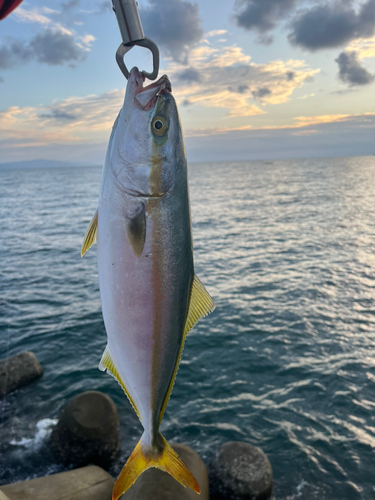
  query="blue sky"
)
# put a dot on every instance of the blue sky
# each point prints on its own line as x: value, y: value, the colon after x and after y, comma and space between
x: 252, y: 78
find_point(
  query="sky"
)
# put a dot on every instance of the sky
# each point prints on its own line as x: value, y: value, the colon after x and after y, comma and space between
x: 253, y: 79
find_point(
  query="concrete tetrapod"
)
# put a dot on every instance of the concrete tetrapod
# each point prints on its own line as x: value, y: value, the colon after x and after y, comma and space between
x: 239, y: 471
x: 87, y: 483
x: 155, y: 484
x: 19, y: 370
x: 88, y: 431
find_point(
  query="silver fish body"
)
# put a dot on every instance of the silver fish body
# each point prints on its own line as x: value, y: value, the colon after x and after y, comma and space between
x: 150, y: 295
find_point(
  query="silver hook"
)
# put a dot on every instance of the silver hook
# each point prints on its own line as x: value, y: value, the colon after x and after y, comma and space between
x: 129, y: 22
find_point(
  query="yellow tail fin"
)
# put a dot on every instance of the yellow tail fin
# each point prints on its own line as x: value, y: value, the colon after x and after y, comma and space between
x: 166, y: 460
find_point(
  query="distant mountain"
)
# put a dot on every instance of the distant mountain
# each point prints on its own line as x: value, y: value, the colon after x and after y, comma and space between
x: 42, y: 164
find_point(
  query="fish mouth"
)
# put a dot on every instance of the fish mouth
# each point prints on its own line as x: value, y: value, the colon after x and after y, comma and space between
x: 146, y: 97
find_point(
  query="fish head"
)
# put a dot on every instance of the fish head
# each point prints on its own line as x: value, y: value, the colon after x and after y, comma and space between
x: 148, y: 138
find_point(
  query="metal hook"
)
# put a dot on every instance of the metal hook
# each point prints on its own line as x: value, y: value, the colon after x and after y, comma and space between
x: 129, y: 22
x: 147, y: 43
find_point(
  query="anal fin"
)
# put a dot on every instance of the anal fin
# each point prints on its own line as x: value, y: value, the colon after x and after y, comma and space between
x: 107, y: 363
x: 90, y: 235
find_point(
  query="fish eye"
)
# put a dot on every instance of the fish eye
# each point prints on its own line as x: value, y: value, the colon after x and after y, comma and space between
x: 159, y: 125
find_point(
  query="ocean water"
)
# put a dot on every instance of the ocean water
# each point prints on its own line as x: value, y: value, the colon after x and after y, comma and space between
x: 287, y: 360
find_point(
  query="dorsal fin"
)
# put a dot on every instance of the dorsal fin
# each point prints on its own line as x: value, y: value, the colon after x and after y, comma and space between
x: 107, y: 363
x: 200, y: 305
x: 90, y: 235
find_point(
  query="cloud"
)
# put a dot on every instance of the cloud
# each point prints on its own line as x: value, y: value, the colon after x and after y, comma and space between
x: 213, y: 33
x: 57, y: 114
x: 330, y: 136
x: 73, y: 120
x: 364, y: 47
x: 13, y: 54
x: 299, y: 122
x: 69, y: 5
x: 348, y: 137
x: 68, y: 14
x: 327, y: 24
x: 343, y: 91
x: 90, y: 118
x: 241, y: 89
x: 78, y: 128
x: 54, y: 22
x: 332, y: 25
x: 190, y: 75
x: 56, y: 48
x: 221, y: 78
x: 101, y: 7
x: 290, y: 76
x: 173, y: 24
x: 262, y: 15
x: 306, y: 121
x: 50, y: 47
x: 86, y: 41
x: 306, y: 96
x: 55, y: 45
x: 226, y: 78
x: 31, y: 16
x: 351, y: 71
x: 260, y: 93
x: 105, y: 6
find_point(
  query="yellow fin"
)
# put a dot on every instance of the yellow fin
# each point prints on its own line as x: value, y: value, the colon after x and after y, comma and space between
x: 90, y: 235
x: 200, y: 305
x: 165, y: 459
x: 106, y: 363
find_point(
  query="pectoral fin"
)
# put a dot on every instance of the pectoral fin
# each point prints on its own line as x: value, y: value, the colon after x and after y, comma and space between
x: 136, y: 229
x: 200, y: 305
x: 90, y: 235
x: 107, y: 363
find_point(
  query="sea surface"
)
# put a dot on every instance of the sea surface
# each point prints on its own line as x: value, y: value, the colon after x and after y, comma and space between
x: 287, y: 360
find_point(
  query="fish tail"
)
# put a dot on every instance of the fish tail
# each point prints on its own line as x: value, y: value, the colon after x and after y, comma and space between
x: 165, y: 458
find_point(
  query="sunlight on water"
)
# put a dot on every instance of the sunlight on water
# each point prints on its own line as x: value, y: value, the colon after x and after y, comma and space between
x: 286, y: 361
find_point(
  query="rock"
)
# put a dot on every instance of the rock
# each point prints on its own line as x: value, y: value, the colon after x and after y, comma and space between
x: 87, y: 483
x: 239, y: 471
x: 88, y: 431
x: 19, y: 370
x: 3, y: 496
x: 155, y: 484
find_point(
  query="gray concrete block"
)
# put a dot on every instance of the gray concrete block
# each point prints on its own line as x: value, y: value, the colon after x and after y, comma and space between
x: 88, y: 431
x: 155, y: 484
x: 87, y: 483
x: 239, y: 471
x: 19, y: 370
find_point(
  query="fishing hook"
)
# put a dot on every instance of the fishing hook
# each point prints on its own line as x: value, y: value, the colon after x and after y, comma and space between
x: 131, y: 30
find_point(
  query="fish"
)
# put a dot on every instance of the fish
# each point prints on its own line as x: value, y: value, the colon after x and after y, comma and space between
x: 150, y: 295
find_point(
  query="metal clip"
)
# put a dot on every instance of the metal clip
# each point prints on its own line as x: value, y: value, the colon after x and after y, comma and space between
x: 132, y: 34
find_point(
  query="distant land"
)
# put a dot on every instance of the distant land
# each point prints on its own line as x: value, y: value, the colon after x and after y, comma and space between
x: 43, y: 164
